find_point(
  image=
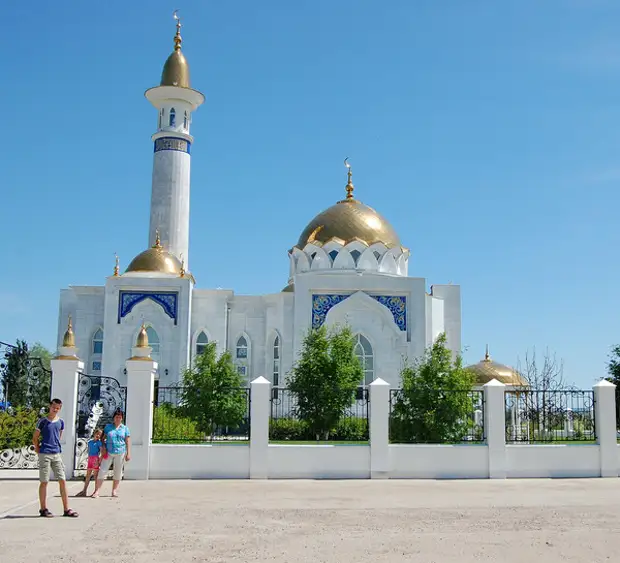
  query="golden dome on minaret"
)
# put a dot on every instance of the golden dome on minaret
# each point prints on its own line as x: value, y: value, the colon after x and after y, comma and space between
x: 155, y: 259
x: 176, y: 68
x: 349, y: 220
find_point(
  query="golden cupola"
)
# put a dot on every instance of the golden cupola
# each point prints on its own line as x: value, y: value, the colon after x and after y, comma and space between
x: 486, y: 370
x: 349, y: 220
x: 156, y: 260
x: 176, y: 68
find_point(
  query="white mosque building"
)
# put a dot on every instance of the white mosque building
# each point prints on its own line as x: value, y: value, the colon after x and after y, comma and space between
x: 348, y: 266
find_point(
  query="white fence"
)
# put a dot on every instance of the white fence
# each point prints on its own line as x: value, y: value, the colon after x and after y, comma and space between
x: 378, y: 459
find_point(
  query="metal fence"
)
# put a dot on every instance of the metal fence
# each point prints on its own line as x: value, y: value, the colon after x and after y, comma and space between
x: 437, y: 416
x: 175, y: 420
x: 550, y: 416
x: 286, y: 424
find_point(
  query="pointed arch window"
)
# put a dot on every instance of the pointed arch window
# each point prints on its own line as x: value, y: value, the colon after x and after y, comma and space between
x: 364, y: 353
x: 98, y: 342
x: 153, y: 342
x: 242, y: 348
x: 276, y: 361
x: 185, y: 121
x: 173, y: 118
x: 161, y: 118
x: 201, y: 343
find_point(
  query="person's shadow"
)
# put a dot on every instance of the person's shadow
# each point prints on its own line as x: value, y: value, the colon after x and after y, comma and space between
x: 18, y: 516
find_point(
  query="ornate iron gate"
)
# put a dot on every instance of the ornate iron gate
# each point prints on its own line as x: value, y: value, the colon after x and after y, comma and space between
x: 97, y: 399
x: 21, y: 405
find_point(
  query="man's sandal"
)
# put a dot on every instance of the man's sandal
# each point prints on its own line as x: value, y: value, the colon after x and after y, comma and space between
x: 70, y: 513
x: 45, y: 513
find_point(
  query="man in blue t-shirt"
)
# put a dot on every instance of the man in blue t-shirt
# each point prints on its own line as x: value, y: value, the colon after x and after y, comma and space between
x: 46, y: 442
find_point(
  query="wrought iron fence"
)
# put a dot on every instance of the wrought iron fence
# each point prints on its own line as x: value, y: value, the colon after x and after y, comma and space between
x: 437, y: 416
x: 550, y: 416
x: 98, y: 397
x: 22, y: 404
x: 177, y: 421
x: 286, y: 425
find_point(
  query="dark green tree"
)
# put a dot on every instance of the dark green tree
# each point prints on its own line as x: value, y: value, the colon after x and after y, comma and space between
x: 325, y: 378
x: 434, y: 405
x: 613, y: 369
x: 15, y: 375
x: 40, y: 380
x: 212, y: 392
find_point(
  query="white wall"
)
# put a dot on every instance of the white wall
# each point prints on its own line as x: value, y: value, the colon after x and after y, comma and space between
x: 439, y: 461
x: 201, y: 461
x: 319, y: 461
x: 553, y: 460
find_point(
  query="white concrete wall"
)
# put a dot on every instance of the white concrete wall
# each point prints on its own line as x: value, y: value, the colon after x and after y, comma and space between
x: 319, y: 461
x: 202, y: 461
x: 438, y: 461
x: 553, y: 460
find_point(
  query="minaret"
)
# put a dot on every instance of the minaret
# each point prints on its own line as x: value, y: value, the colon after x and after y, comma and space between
x: 175, y: 101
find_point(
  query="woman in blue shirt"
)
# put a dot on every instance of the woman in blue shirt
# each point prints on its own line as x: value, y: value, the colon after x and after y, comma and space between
x: 115, y: 449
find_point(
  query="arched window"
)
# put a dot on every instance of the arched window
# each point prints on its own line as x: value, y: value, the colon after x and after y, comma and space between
x: 173, y: 118
x: 276, y: 361
x: 153, y: 342
x: 96, y: 350
x: 185, y: 121
x: 161, y: 117
x: 98, y: 342
x: 201, y: 343
x: 242, y: 348
x: 363, y: 350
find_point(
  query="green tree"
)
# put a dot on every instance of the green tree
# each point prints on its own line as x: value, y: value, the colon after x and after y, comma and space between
x: 434, y: 405
x: 40, y: 380
x: 212, y: 392
x: 613, y: 369
x: 15, y: 374
x: 325, y: 378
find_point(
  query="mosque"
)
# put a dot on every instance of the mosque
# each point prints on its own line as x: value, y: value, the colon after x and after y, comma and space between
x: 348, y: 266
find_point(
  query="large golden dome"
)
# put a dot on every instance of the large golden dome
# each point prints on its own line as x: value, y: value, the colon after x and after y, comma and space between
x: 156, y: 259
x: 176, y: 69
x: 487, y: 370
x: 349, y: 220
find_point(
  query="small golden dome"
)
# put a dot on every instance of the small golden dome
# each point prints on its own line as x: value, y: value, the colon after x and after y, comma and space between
x: 155, y: 259
x: 143, y: 338
x: 346, y: 221
x: 487, y: 370
x: 68, y: 340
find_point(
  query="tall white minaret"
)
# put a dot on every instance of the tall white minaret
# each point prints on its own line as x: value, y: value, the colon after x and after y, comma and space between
x: 175, y: 101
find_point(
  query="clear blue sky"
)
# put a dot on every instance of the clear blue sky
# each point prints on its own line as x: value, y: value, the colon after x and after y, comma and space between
x: 486, y: 132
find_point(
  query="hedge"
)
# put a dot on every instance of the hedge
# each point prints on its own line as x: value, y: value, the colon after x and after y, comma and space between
x: 291, y: 429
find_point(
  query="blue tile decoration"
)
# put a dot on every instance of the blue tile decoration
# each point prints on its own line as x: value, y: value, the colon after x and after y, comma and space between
x: 171, y: 144
x: 168, y: 300
x: 397, y: 304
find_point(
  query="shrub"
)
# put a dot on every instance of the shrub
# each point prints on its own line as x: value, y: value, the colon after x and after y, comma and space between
x: 170, y: 426
x: 294, y: 430
x: 17, y: 427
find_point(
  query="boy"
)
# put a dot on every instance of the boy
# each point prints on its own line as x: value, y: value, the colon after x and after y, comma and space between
x: 46, y: 441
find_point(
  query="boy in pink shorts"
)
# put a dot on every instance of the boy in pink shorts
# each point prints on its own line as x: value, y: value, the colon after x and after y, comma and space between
x: 94, y: 453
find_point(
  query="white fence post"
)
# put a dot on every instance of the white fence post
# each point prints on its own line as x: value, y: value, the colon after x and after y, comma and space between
x: 606, y: 432
x: 495, y: 427
x: 379, y: 429
x: 260, y: 403
x: 65, y: 376
x: 139, y: 419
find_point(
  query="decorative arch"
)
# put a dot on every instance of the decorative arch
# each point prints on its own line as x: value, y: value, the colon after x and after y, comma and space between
x: 167, y: 300
x: 199, y: 341
x: 242, y: 354
x: 96, y: 350
x: 172, y: 121
x: 275, y: 355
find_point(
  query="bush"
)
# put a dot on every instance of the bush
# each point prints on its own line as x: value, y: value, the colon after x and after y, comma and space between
x: 17, y: 427
x: 294, y: 430
x: 170, y: 426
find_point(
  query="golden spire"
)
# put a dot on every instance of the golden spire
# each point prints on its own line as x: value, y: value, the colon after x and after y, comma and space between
x: 116, y: 265
x: 349, y: 187
x: 157, y: 241
x: 177, y: 38
x: 487, y: 356
x: 182, y: 270
x: 143, y: 338
x: 68, y: 340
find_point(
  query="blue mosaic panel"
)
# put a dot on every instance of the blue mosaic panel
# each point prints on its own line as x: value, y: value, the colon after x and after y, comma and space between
x: 397, y: 304
x: 171, y: 144
x: 168, y: 300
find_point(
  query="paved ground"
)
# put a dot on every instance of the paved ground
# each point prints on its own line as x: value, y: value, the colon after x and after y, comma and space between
x: 320, y: 521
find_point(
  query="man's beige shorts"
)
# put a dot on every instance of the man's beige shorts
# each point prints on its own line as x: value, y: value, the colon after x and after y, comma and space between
x: 49, y: 463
